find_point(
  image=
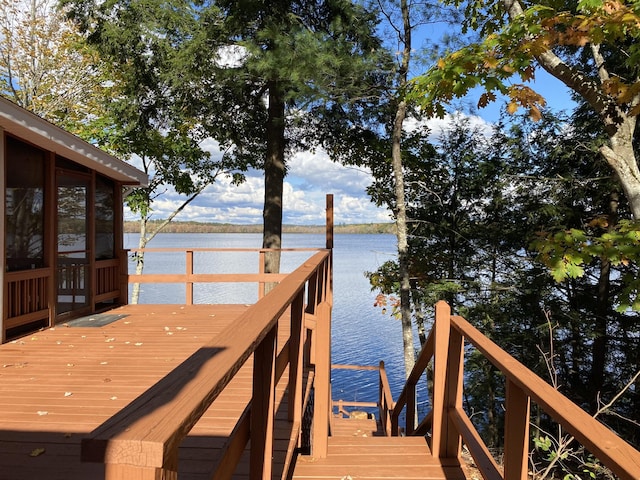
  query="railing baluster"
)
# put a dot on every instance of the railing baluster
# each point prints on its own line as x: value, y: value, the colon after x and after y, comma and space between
x: 261, y: 285
x: 322, y: 397
x: 516, y: 434
x: 262, y: 407
x: 410, y: 413
x: 296, y: 360
x: 189, y: 283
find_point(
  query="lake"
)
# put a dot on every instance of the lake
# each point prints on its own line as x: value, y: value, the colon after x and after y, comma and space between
x: 361, y: 333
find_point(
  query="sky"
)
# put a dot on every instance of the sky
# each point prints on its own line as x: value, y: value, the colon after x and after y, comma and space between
x: 312, y: 175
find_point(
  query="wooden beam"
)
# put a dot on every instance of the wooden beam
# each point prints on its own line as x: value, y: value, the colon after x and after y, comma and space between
x: 516, y: 433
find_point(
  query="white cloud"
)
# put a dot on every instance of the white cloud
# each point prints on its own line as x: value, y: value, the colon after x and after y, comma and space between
x: 310, y: 177
x: 439, y: 126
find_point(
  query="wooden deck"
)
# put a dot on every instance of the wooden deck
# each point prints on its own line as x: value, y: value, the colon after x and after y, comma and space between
x: 58, y: 385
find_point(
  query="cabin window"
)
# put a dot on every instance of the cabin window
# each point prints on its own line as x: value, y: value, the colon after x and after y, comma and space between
x: 104, y: 219
x: 24, y: 197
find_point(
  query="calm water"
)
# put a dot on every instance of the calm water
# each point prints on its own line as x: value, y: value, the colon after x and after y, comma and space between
x: 361, y: 333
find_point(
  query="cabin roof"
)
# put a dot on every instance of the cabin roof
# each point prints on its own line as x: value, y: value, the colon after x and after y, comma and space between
x: 34, y: 129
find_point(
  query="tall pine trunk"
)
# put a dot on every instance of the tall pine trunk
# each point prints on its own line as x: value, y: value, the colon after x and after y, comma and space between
x: 274, y: 171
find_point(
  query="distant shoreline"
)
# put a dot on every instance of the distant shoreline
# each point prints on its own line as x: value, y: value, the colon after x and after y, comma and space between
x: 201, y: 227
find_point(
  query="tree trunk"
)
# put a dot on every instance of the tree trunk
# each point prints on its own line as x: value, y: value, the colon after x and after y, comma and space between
x: 142, y: 243
x: 274, y: 171
x: 403, y: 244
x: 401, y: 211
x: 621, y: 157
x: 620, y: 126
x: 602, y: 311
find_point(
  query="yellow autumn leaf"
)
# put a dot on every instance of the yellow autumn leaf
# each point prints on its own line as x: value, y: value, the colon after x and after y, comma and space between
x: 534, y: 113
x: 36, y: 452
x: 490, y: 62
x: 512, y: 107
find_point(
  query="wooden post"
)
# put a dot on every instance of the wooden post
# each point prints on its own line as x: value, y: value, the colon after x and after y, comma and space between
x: 189, y: 283
x: 441, y: 327
x: 123, y: 256
x: 129, y: 472
x: 451, y: 445
x: 329, y: 221
x: 261, y: 285
x: 296, y: 360
x: 516, y: 433
x: 262, y: 407
x: 322, y: 397
x: 410, y: 413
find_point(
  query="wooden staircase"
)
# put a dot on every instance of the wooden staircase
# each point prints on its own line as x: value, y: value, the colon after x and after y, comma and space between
x: 356, y: 452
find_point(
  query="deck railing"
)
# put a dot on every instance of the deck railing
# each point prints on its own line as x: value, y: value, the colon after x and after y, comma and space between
x: 27, y: 297
x: 142, y: 440
x: 384, y: 404
x: 190, y: 277
x: 450, y: 426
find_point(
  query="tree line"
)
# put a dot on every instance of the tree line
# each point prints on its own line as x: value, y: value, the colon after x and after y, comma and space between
x: 205, y: 227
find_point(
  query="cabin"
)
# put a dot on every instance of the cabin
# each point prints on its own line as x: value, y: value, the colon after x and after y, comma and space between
x: 62, y: 217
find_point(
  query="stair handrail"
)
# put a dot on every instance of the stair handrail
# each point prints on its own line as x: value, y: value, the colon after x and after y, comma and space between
x: 385, y: 401
x: 451, y: 426
x: 141, y: 441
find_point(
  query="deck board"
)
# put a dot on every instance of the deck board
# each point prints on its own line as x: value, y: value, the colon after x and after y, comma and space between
x: 58, y: 385
x: 353, y: 455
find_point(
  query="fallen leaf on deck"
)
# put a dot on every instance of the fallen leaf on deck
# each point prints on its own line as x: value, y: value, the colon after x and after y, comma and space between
x: 110, y: 340
x: 138, y: 344
x: 114, y: 398
x: 67, y: 394
x: 36, y: 452
x: 104, y: 363
x: 42, y: 412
